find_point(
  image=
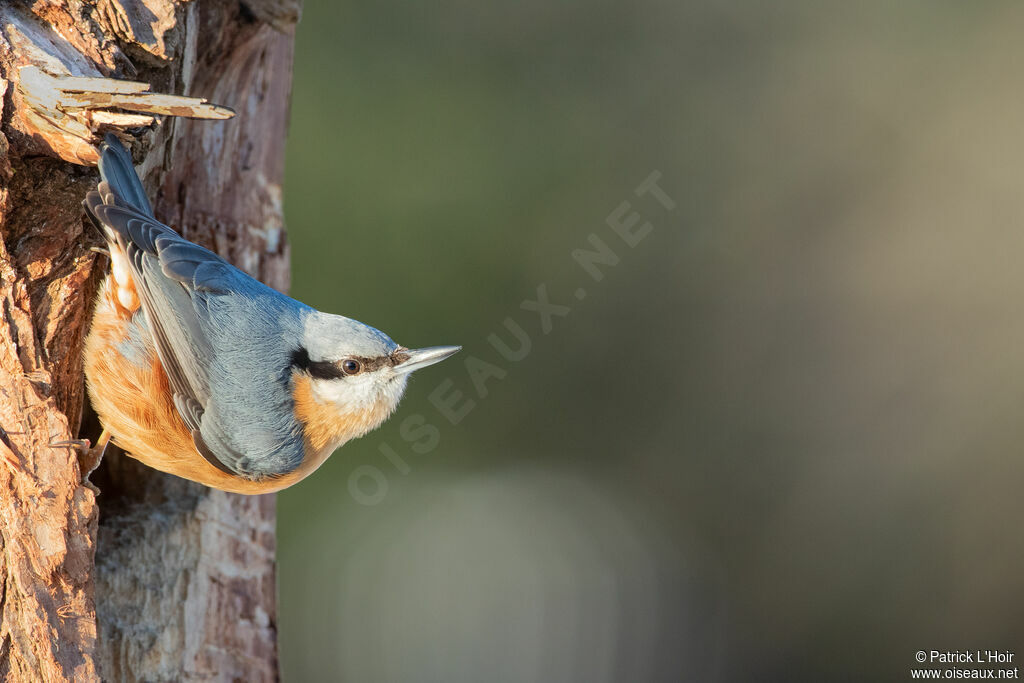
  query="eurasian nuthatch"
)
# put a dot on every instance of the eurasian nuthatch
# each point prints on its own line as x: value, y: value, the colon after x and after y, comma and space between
x: 201, y: 371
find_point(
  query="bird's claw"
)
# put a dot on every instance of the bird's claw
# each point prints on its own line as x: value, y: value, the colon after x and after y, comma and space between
x: 81, y: 445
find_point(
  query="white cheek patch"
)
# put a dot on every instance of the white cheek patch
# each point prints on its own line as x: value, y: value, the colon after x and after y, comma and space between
x: 348, y: 393
x: 393, y: 390
x: 361, y: 392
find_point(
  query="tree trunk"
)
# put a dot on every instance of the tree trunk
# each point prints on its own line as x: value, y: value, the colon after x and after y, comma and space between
x: 156, y: 579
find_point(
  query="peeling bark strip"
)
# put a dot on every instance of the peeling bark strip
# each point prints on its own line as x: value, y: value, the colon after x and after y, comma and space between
x: 169, y: 581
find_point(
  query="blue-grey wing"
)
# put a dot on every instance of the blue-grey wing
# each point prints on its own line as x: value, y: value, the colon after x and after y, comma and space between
x: 178, y: 283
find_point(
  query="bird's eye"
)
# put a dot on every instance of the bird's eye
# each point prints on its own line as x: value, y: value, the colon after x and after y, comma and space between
x: 351, y: 367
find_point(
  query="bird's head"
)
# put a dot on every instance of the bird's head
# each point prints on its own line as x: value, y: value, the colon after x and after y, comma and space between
x: 348, y: 377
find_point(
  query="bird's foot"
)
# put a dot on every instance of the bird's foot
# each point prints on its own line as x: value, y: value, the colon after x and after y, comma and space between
x: 89, y: 456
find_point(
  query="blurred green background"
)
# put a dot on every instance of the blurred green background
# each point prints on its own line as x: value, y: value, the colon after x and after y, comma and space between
x: 780, y: 440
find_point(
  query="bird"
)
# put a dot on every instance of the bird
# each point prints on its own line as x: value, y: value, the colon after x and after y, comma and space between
x: 201, y: 371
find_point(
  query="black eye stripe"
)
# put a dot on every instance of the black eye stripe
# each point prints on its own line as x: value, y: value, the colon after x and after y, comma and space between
x: 325, y: 370
x: 317, y: 369
x: 300, y: 358
x: 321, y: 369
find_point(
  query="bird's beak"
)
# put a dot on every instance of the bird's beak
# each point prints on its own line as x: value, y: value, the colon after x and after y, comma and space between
x: 421, y: 358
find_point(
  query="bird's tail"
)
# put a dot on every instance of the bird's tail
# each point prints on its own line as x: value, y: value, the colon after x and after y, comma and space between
x: 117, y: 172
x: 119, y: 187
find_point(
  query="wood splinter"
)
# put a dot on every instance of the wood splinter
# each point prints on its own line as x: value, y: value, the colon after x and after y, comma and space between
x: 68, y: 111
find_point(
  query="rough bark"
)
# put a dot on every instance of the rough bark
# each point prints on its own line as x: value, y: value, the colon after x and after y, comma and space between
x: 157, y: 579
